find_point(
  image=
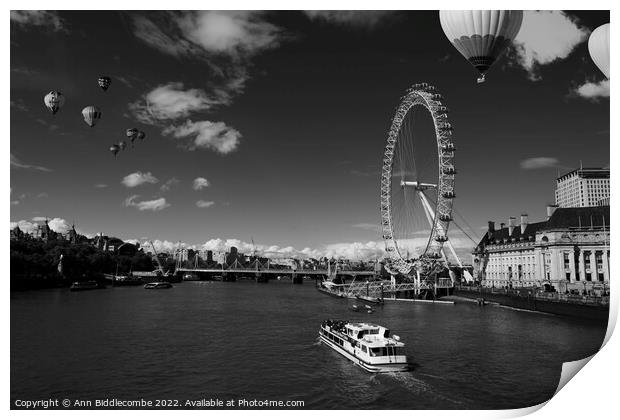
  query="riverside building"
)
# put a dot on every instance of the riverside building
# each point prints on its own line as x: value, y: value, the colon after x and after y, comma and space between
x: 567, y: 252
x: 584, y: 187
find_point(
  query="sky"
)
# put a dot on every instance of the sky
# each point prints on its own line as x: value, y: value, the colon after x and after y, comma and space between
x: 270, y: 126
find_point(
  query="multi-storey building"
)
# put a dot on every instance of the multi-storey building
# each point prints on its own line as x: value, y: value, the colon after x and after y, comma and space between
x: 584, y: 187
x: 570, y: 250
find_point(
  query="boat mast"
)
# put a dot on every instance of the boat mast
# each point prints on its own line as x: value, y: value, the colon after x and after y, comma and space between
x: 161, y: 268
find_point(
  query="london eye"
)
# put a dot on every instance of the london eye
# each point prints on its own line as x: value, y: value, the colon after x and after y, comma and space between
x: 417, y: 184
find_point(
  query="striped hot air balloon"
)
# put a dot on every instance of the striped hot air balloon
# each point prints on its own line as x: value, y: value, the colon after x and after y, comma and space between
x: 114, y: 149
x: 104, y: 82
x: 122, y: 145
x: 132, y: 134
x: 598, y: 45
x: 54, y: 101
x: 481, y: 36
x: 91, y: 115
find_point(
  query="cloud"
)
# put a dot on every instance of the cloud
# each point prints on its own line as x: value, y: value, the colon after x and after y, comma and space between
x: 539, y: 163
x: 546, y: 37
x: 59, y: 225
x: 152, y: 205
x: 101, y: 185
x: 19, y: 105
x: 200, y: 183
x: 161, y: 245
x: 25, y: 226
x: 172, y: 101
x: 207, y: 135
x: 593, y: 91
x: 16, y: 163
x: 42, y: 18
x: 138, y: 178
x: 359, y: 18
x: 42, y: 195
x: 167, y: 186
x: 204, y: 204
x: 233, y: 33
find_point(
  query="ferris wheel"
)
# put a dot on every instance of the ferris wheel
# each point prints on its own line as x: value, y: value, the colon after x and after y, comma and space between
x: 417, y: 183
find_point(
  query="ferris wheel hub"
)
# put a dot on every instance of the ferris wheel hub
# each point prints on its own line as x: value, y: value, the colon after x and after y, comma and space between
x: 418, y: 186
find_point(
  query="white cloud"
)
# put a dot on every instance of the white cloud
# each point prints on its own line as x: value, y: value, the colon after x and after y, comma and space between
x: 207, y: 135
x: 545, y: 37
x: 540, y: 162
x: 172, y: 101
x: 360, y: 18
x: 233, y: 33
x: 229, y: 32
x: 16, y: 163
x: 167, y: 186
x: 37, y: 18
x: 25, y: 226
x: 152, y: 205
x: 593, y: 91
x: 162, y: 246
x: 200, y: 183
x: 59, y: 225
x: 204, y: 204
x: 138, y: 178
x: 101, y: 185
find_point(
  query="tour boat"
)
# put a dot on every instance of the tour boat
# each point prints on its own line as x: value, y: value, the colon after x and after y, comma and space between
x: 158, y: 285
x: 367, y: 345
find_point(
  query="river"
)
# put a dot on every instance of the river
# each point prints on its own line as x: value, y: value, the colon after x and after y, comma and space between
x: 213, y: 340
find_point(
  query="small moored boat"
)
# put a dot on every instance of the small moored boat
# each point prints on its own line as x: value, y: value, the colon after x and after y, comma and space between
x: 367, y: 345
x: 158, y: 285
x: 370, y: 299
x: 78, y: 286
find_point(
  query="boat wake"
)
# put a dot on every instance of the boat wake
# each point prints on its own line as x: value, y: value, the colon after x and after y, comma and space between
x: 418, y: 386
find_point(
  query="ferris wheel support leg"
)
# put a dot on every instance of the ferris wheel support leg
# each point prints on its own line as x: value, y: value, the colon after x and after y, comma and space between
x: 428, y: 210
x: 456, y: 257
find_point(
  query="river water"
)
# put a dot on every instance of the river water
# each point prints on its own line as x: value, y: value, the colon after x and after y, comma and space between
x: 212, y: 340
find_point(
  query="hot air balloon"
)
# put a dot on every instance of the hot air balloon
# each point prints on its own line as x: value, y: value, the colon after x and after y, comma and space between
x: 91, y: 115
x: 104, y: 82
x: 132, y: 133
x: 481, y: 36
x: 114, y: 149
x: 54, y: 101
x: 598, y: 45
x: 141, y: 135
x: 122, y: 145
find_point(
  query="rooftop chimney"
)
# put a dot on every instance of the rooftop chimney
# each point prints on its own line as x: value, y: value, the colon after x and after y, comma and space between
x: 551, y: 208
x: 501, y: 226
x: 491, y: 229
x: 523, y: 223
x: 511, y: 224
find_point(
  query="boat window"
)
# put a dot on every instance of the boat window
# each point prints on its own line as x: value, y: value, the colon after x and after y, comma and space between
x: 386, y: 333
x: 364, y: 349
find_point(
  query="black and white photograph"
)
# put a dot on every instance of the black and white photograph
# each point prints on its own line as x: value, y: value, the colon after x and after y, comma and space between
x: 306, y: 209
